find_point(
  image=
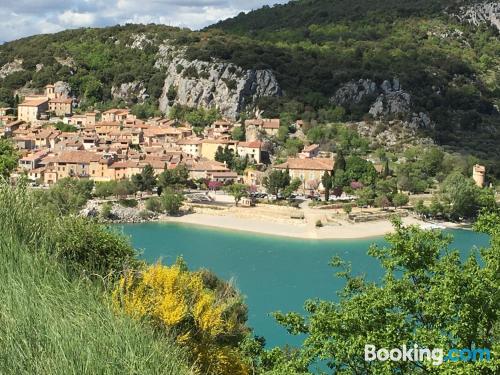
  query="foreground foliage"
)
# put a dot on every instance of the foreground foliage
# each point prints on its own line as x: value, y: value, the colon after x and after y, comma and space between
x: 429, y: 296
x: 206, y: 315
x: 54, y: 320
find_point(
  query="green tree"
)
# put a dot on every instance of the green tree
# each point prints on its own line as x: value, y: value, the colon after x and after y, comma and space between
x: 67, y: 196
x: 460, y: 196
x: 400, y: 199
x: 154, y: 204
x: 124, y: 188
x: 104, y: 189
x: 291, y: 188
x: 340, y: 163
x: 327, y: 182
x: 172, y: 201
x: 382, y: 201
x: 276, y: 181
x: 366, y: 196
x: 176, y: 178
x: 237, y: 191
x: 225, y: 155
x: 428, y: 297
x: 8, y: 158
x: 238, y: 133
x: 358, y: 169
x: 146, y: 180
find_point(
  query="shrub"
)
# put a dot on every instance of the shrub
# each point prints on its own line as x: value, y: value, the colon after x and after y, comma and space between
x: 130, y: 203
x: 347, y: 208
x: 90, y: 246
x: 154, y: 205
x: 207, y: 316
x: 106, y: 210
x: 172, y: 201
x: 319, y: 224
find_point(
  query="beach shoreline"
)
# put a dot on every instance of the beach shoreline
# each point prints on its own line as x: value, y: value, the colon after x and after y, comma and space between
x: 342, y: 231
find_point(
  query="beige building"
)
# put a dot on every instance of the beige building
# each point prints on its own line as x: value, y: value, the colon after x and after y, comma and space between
x: 74, y: 163
x: 206, y: 169
x: 268, y: 126
x: 116, y: 115
x: 309, y: 171
x: 479, y: 174
x: 250, y: 149
x: 30, y: 110
x: 61, y: 106
x: 82, y: 121
x: 209, y: 147
x: 191, y: 146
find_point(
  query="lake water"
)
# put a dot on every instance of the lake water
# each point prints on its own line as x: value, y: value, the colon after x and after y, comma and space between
x: 274, y: 273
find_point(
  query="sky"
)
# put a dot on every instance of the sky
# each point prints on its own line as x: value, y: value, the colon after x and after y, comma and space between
x: 22, y: 18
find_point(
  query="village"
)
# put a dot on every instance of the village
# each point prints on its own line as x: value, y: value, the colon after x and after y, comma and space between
x: 115, y: 145
x: 56, y: 143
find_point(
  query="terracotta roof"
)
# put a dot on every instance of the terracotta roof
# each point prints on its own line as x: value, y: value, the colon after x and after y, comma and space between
x: 189, y: 141
x: 35, y: 156
x: 254, y: 144
x: 219, y: 141
x: 208, y: 165
x: 115, y: 111
x: 34, y: 102
x: 316, y: 164
x: 61, y: 100
x: 77, y: 157
x: 108, y: 123
x: 224, y: 174
x: 255, y: 121
x: 266, y: 123
x: 271, y: 123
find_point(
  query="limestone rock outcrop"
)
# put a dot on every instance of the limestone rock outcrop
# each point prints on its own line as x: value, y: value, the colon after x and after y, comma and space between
x: 225, y: 86
x: 389, y: 101
x: 130, y: 92
x: 62, y: 88
x: 11, y: 67
x: 478, y: 14
x: 354, y: 92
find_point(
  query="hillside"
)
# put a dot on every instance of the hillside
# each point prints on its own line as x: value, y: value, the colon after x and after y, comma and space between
x: 433, y: 64
x: 54, y: 322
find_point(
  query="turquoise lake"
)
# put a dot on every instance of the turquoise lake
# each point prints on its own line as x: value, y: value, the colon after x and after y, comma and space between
x: 274, y: 273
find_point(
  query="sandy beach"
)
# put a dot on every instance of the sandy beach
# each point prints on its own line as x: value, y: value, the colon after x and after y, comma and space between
x: 307, y: 230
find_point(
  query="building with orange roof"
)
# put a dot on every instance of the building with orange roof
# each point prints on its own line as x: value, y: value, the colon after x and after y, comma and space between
x: 117, y: 115
x: 30, y: 110
x: 191, y: 146
x: 250, y: 149
x: 268, y: 126
x: 61, y: 106
x: 309, y: 171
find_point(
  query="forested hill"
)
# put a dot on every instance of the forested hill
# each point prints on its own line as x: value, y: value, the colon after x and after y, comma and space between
x: 445, y: 55
x: 303, y: 13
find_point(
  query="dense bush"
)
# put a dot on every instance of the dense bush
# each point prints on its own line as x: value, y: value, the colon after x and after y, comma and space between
x: 79, y: 243
x: 207, y: 315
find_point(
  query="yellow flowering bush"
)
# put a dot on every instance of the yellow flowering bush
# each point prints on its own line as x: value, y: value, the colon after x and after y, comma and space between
x: 205, y: 314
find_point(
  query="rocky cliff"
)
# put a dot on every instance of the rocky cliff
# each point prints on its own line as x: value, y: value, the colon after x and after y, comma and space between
x: 130, y: 92
x: 478, y: 14
x: 388, y: 100
x: 11, y: 67
x: 225, y: 86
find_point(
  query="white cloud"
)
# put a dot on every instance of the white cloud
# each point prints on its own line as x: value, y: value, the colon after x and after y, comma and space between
x: 27, y: 17
x: 76, y: 19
